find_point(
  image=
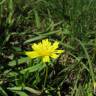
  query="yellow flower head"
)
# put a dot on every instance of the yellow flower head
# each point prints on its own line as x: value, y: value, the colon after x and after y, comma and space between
x: 44, y: 49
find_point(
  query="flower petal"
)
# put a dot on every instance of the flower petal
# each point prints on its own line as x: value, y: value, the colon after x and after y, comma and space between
x: 46, y: 59
x: 54, y: 55
x: 59, y: 51
x: 34, y: 46
x: 55, y: 45
x: 32, y: 54
x: 46, y: 43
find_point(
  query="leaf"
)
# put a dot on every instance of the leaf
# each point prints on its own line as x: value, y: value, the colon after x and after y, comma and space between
x: 18, y: 89
x: 3, y: 92
x: 31, y: 90
x: 41, y: 36
x: 17, y: 49
x: 19, y: 61
x: 11, y: 74
x: 34, y: 39
x: 37, y: 19
x: 15, y: 88
x: 20, y: 93
x: 67, y: 46
x: 33, y: 68
x: 1, y: 2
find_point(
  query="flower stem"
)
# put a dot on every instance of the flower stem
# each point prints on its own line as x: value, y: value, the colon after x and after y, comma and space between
x: 46, y: 75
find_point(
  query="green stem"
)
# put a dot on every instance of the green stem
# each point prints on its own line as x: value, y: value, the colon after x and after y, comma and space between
x: 46, y: 75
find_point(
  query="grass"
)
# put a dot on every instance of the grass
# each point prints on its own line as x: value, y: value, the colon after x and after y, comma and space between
x: 72, y: 23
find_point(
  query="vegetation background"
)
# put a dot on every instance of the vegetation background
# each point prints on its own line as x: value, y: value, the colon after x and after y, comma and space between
x: 72, y: 23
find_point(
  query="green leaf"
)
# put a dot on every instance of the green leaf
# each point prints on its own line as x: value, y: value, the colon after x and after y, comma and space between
x: 18, y: 89
x: 40, y: 37
x: 15, y: 88
x: 33, y: 68
x: 3, y: 92
x: 20, y: 93
x: 12, y: 74
x: 31, y: 90
x: 37, y: 19
x: 19, y: 61
x: 2, y: 1
x: 34, y: 39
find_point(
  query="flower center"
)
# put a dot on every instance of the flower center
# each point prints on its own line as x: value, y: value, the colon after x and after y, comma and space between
x: 44, y: 52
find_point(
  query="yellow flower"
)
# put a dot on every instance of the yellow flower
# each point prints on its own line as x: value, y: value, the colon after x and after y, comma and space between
x: 44, y: 49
